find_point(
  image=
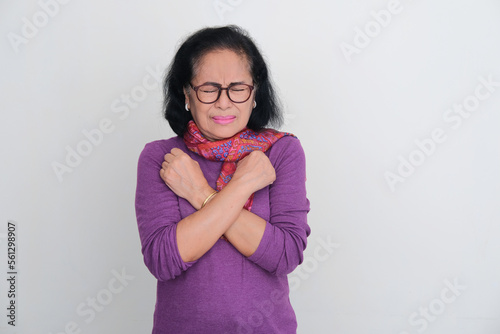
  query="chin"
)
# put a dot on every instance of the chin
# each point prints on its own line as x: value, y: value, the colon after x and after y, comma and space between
x: 228, y: 130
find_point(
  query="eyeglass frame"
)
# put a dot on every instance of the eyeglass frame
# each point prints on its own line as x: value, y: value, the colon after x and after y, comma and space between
x: 219, y: 86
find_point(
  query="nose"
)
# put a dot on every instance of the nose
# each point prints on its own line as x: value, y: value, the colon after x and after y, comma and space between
x: 223, y: 102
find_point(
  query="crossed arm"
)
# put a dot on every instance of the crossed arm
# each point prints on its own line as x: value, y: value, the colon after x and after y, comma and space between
x: 224, y: 213
x: 171, y: 242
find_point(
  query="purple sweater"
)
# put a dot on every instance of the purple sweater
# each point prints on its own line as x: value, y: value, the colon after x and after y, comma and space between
x: 224, y: 292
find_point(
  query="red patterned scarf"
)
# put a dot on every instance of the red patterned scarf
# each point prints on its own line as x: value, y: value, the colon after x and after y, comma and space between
x: 230, y: 150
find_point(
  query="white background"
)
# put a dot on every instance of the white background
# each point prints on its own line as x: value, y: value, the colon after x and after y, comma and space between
x: 391, y: 250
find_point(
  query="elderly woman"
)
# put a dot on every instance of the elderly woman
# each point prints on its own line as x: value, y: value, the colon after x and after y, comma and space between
x: 221, y: 208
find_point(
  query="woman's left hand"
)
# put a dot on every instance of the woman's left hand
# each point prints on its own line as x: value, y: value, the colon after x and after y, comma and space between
x: 184, y: 177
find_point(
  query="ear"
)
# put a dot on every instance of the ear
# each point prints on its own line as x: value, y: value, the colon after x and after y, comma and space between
x: 186, y: 95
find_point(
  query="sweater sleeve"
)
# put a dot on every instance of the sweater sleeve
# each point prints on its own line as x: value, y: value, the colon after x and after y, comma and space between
x: 157, y: 211
x: 285, y: 236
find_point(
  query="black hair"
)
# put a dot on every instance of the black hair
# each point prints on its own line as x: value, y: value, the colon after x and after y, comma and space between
x: 181, y: 72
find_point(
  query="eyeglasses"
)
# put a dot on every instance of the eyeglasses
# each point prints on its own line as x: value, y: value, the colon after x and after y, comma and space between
x: 236, y: 92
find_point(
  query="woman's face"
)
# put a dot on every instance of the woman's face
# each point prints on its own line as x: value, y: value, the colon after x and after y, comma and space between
x: 223, y: 118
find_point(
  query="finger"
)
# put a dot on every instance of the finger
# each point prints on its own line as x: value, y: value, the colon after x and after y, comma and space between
x: 164, y: 165
x: 257, y: 153
x: 177, y: 152
x: 169, y: 157
x: 245, y: 158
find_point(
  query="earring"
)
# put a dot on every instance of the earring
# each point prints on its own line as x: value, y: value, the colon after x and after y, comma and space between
x: 254, y: 104
x: 186, y: 107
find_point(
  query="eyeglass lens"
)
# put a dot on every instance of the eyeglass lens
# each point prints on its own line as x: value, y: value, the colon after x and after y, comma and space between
x: 236, y: 93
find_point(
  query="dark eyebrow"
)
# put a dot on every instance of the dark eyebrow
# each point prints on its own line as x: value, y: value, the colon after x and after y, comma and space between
x: 211, y: 83
x: 219, y: 85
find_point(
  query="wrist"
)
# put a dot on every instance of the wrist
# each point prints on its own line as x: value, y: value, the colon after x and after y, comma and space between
x: 239, y: 190
x: 203, y: 197
x: 208, y: 199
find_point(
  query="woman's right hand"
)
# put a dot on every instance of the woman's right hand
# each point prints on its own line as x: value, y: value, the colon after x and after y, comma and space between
x: 254, y: 172
x: 184, y: 177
